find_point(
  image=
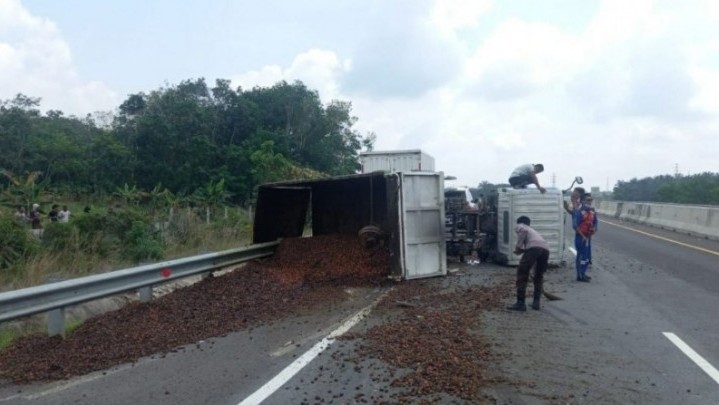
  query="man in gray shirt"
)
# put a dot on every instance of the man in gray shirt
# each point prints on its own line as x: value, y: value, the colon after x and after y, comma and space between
x: 525, y: 175
x: 535, y: 251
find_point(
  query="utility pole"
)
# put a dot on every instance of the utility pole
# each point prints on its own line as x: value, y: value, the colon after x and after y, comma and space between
x: 554, y: 180
x: 676, y: 169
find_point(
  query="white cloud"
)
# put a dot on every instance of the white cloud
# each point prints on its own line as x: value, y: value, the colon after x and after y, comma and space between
x: 509, y: 141
x: 317, y: 69
x: 450, y: 16
x: 403, y: 56
x: 706, y: 99
x: 618, y: 21
x: 519, y: 58
x: 710, y: 9
x: 264, y: 77
x: 36, y: 61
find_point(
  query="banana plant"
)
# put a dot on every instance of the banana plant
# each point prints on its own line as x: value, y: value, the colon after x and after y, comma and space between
x: 25, y: 191
x: 215, y: 194
x: 130, y: 195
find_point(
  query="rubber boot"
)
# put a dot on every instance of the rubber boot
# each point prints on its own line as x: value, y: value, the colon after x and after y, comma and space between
x: 518, y: 306
x: 535, y: 301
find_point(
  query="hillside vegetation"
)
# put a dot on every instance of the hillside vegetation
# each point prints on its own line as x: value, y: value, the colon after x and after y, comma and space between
x: 168, y: 173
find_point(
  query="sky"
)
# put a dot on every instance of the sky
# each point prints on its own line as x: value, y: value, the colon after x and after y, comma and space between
x: 607, y: 90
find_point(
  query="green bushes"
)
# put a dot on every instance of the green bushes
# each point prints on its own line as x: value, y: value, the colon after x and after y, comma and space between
x: 141, y: 244
x: 103, y: 240
x: 16, y: 242
x: 126, y: 233
x: 59, y: 237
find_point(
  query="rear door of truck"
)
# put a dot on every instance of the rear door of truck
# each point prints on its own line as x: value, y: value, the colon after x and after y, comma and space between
x: 421, y: 213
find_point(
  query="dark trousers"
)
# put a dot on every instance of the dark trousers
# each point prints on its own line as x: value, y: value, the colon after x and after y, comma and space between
x: 583, y: 251
x: 531, y: 257
x: 520, y: 181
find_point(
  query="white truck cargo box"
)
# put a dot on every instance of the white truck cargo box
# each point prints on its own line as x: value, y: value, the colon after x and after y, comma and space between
x: 545, y: 212
x: 396, y: 161
x: 406, y: 207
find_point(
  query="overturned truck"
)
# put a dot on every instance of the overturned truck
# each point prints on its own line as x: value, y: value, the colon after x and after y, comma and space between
x: 400, y: 212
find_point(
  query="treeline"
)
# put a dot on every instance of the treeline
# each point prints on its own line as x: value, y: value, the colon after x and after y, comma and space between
x: 186, y: 139
x: 695, y: 189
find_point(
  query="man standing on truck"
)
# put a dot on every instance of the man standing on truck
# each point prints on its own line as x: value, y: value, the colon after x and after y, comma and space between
x: 525, y: 175
x: 535, y: 252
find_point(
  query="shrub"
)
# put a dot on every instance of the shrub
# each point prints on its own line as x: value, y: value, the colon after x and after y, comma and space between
x: 91, y: 233
x: 183, y: 228
x: 235, y: 227
x: 16, y: 242
x: 102, y: 233
x: 59, y: 237
x: 120, y: 222
x: 141, y: 244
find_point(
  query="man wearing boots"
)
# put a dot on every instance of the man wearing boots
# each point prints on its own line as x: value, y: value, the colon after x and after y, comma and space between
x: 535, y: 252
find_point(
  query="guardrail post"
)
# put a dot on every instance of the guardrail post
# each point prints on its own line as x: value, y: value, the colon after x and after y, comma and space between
x: 145, y: 293
x: 56, y: 322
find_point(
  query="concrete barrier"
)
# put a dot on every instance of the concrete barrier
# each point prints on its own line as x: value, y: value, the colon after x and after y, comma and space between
x: 700, y: 220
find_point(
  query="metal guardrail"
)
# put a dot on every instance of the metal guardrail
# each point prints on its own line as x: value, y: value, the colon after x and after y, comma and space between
x: 54, y: 297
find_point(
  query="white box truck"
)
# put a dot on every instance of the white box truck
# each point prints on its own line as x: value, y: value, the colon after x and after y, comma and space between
x: 394, y: 161
x: 405, y: 210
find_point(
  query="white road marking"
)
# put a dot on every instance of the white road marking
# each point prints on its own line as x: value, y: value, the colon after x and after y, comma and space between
x: 694, y: 356
x: 285, y: 375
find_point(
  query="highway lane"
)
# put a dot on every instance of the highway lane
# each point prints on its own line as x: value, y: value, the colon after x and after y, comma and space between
x: 221, y: 370
x: 692, y: 259
x: 677, y: 274
x: 604, y: 340
x: 669, y: 282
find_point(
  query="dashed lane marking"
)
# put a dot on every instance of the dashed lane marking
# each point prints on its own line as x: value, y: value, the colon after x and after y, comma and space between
x: 694, y: 356
x: 285, y: 375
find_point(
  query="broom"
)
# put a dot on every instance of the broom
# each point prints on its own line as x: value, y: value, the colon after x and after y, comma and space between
x: 547, y: 295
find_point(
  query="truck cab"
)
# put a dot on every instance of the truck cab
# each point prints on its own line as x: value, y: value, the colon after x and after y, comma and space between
x: 458, y: 199
x: 461, y: 222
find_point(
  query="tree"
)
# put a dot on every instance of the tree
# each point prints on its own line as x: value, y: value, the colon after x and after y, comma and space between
x: 16, y: 122
x: 214, y: 194
x: 130, y: 195
x: 24, y: 191
x: 185, y: 137
x: 269, y: 166
x: 697, y: 189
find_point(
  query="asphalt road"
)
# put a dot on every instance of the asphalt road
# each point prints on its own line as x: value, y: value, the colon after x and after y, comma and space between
x: 676, y: 275
x: 608, y: 341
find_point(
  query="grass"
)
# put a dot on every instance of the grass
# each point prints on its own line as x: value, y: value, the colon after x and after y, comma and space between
x: 187, y: 235
x: 71, y: 326
x: 7, y: 335
x: 13, y: 330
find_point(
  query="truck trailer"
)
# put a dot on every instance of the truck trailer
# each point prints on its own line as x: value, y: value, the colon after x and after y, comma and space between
x: 400, y: 212
x: 390, y: 161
